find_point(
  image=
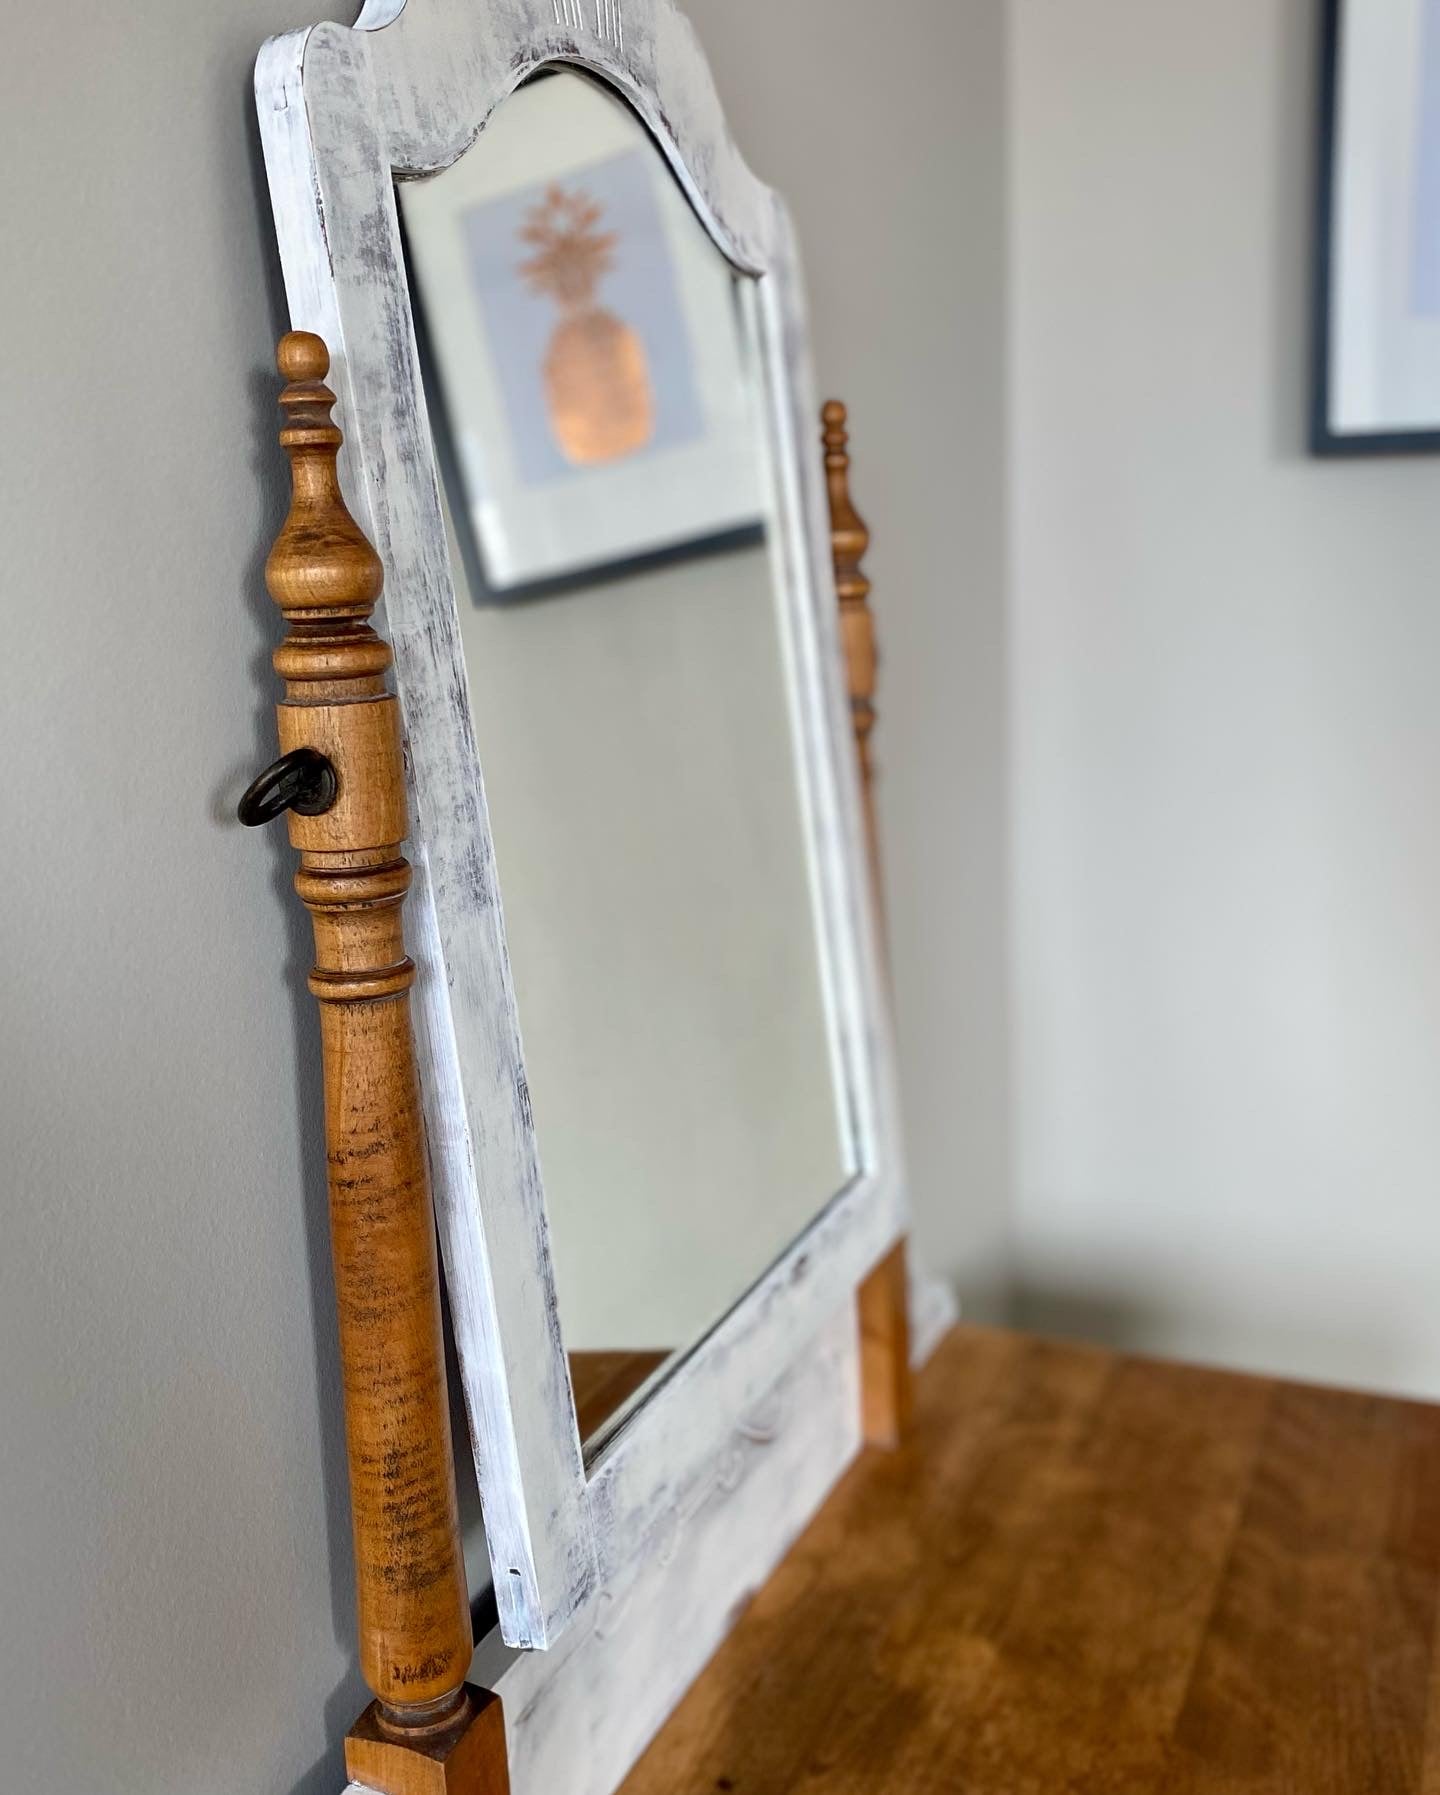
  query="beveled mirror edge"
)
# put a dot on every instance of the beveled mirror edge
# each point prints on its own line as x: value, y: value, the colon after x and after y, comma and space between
x: 338, y: 110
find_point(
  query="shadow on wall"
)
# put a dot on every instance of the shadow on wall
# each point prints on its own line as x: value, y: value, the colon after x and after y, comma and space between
x: 986, y: 1289
x: 1161, y: 1326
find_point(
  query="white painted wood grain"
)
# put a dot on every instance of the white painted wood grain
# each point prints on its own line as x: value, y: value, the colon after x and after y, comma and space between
x: 579, y: 1717
x: 343, y: 112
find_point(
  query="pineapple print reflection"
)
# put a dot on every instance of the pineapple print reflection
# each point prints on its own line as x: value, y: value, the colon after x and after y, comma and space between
x: 597, y: 379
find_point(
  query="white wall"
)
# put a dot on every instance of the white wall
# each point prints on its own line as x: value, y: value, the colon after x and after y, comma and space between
x: 1226, y: 780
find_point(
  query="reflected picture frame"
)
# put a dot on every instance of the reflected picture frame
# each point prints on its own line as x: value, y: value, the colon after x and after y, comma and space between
x: 569, y: 459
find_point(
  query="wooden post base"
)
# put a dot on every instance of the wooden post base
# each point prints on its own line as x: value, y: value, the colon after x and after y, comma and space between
x: 465, y: 1756
x: 886, y: 1386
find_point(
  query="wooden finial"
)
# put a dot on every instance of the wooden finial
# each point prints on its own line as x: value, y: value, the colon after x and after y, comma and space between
x: 321, y: 566
x: 301, y: 355
x: 847, y: 527
x: 427, y: 1729
x: 850, y: 538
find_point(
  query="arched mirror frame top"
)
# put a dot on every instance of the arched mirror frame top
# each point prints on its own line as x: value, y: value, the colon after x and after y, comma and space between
x: 345, y: 113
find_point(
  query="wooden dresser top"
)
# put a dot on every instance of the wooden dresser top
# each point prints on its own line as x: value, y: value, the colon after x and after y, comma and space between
x: 1087, y: 1572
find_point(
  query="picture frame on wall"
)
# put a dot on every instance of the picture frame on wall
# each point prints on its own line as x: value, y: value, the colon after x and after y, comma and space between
x: 1376, y: 387
x: 616, y: 428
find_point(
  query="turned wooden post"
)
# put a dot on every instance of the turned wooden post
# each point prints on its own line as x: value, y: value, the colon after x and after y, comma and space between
x: 427, y: 1732
x: 849, y: 539
x: 884, y: 1296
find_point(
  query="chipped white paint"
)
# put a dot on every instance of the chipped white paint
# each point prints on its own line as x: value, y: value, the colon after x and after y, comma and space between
x: 343, y: 113
x: 601, y: 16
x: 577, y: 1717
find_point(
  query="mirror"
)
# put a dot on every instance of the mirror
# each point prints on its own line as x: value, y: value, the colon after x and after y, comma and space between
x: 596, y: 382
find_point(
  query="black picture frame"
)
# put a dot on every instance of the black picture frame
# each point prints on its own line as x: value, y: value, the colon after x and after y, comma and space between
x: 1325, y: 441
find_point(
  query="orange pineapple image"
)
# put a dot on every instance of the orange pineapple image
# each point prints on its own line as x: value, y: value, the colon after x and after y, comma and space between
x: 597, y: 379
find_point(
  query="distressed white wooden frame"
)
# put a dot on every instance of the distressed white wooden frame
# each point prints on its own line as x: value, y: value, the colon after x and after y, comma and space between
x: 345, y: 112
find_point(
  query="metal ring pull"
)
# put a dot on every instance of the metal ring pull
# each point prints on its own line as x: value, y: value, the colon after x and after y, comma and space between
x: 302, y: 781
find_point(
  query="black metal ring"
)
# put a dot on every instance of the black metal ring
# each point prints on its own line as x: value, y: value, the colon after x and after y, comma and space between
x: 302, y: 781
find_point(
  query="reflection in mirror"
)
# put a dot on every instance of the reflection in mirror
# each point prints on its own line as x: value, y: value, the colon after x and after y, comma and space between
x: 594, y: 376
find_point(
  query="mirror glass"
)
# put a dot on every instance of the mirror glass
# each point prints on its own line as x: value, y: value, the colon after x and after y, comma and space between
x: 597, y: 390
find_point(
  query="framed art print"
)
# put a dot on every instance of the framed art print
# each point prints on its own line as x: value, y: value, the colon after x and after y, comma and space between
x: 1377, y: 339
x: 615, y: 427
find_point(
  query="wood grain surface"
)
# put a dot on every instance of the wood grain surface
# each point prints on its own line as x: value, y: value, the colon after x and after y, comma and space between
x: 887, y: 1393
x: 1089, y: 1573
x: 849, y: 541
x: 412, y: 1609
x: 427, y: 1732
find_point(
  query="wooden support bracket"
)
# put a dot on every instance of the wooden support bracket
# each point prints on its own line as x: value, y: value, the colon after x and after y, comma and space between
x: 427, y: 1731
x: 883, y: 1297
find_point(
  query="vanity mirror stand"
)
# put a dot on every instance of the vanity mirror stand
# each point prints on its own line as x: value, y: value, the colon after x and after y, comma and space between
x: 340, y: 780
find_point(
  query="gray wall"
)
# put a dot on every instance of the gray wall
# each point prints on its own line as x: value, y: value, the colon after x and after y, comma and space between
x: 1227, y: 745
x: 173, y: 1546
x: 174, y: 1559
